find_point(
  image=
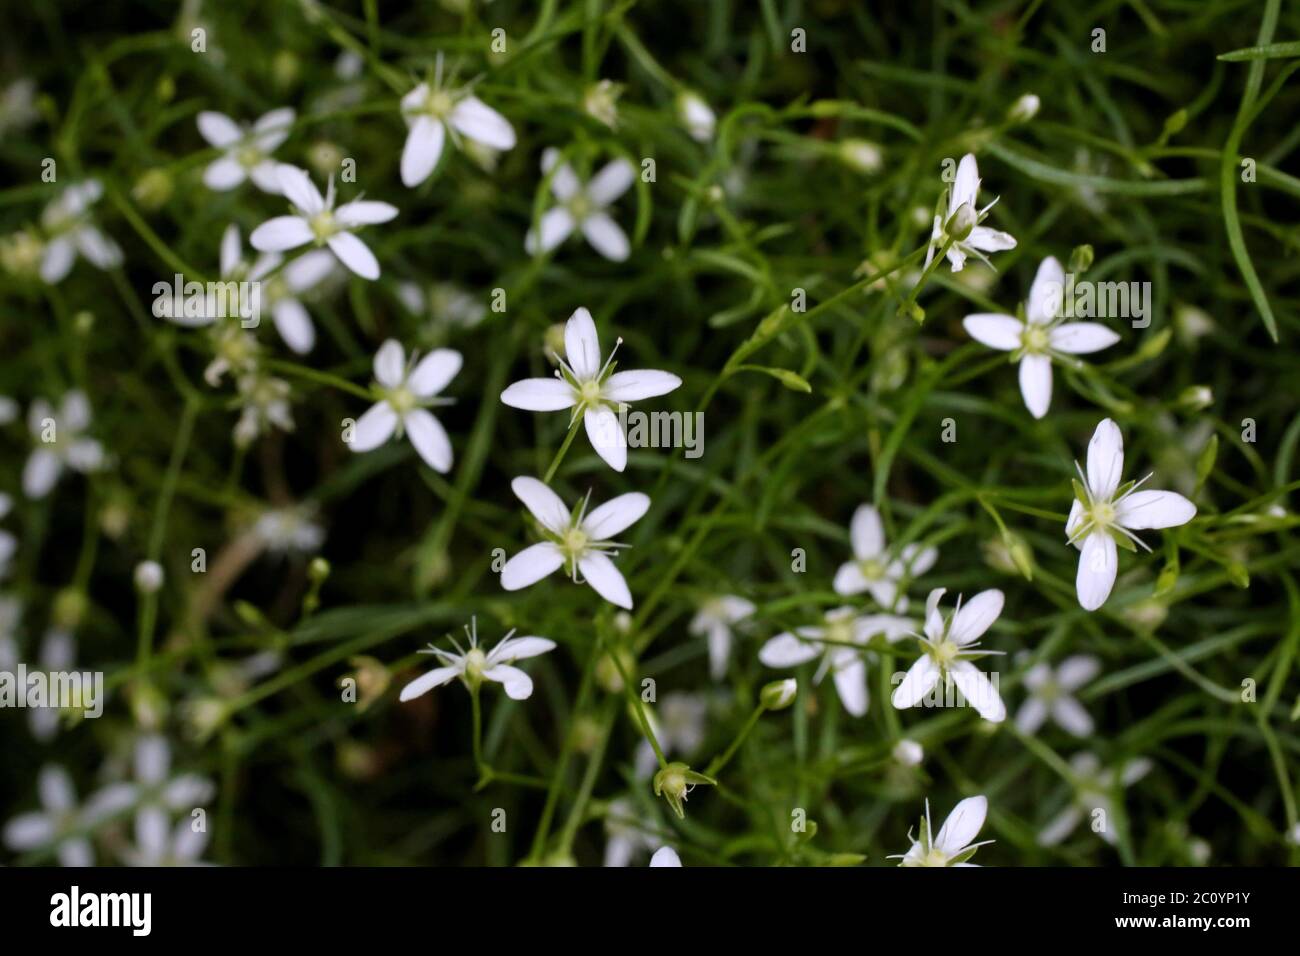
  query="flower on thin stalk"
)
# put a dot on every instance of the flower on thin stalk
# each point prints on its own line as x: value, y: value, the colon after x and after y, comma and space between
x: 591, y: 389
x: 953, y: 845
x: 1104, y: 515
x: 962, y: 222
x: 575, y: 540
x: 1051, y: 695
x: 406, y: 389
x: 875, y: 568
x: 248, y: 150
x: 435, y: 113
x: 948, y: 647
x: 714, y: 620
x: 582, y: 206
x: 70, y: 230
x: 473, y: 666
x: 1044, y: 335
x: 315, y: 220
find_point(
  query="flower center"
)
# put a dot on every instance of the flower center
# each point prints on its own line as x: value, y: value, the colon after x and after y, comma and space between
x: 839, y: 632
x: 1102, y: 514
x: 872, y: 569
x: 402, y: 399
x: 575, y: 541
x: 944, y: 652
x: 589, y: 392
x: 439, y: 103
x: 322, y: 225
x: 935, y: 857
x: 248, y: 156
x: 580, y: 207
x: 1035, y: 339
x: 475, y: 664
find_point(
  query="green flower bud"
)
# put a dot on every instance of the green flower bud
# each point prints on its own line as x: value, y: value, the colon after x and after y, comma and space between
x: 675, y: 781
x: 779, y: 694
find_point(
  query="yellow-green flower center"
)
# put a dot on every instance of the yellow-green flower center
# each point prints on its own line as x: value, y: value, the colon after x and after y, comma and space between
x: 872, y: 569
x: 589, y: 392
x: 402, y: 399
x: 576, y: 541
x: 439, y: 103
x: 580, y: 207
x: 1035, y: 339
x: 323, y: 225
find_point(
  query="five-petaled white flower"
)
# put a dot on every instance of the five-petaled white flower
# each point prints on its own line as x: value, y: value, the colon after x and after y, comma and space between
x: 582, y: 206
x: 1095, y: 790
x: 248, y: 149
x: 280, y: 292
x: 474, y: 666
x: 1105, y: 515
x: 980, y: 239
x: 60, y: 442
x: 1043, y: 335
x: 433, y: 113
x: 158, y: 793
x: 1050, y: 695
x: 315, y: 220
x: 68, y: 225
x: 405, y: 390
x: 947, y: 649
x: 839, y: 640
x: 953, y: 845
x: 714, y: 620
x: 591, y: 389
x: 873, y: 568
x: 575, y: 540
x: 60, y: 823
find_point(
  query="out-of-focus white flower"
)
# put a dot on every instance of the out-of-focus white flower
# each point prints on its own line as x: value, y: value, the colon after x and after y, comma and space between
x: 315, y: 220
x: 1024, y: 109
x: 289, y: 529
x: 60, y: 443
x: 969, y: 237
x: 264, y: 404
x: 947, y: 649
x: 909, y: 753
x: 474, y: 666
x: 18, y: 105
x: 696, y: 116
x: 665, y: 856
x: 1094, y: 795
x: 875, y: 568
x: 1042, y: 337
x: 600, y: 102
x: 157, y: 794
x: 248, y: 150
x: 582, y: 206
x: 70, y: 230
x: 407, y: 390
x: 61, y: 823
x: 181, y: 845
x: 148, y: 577
x: 435, y: 113
x: 1104, y: 514
x: 714, y: 620
x: 1050, y: 695
x: 447, y: 305
x: 953, y: 845
x: 861, y: 156
x: 585, y: 385
x: 625, y: 834
x: 578, y: 543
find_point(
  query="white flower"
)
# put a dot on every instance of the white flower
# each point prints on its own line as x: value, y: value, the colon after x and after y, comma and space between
x: 1043, y: 336
x: 947, y: 649
x: 678, y: 724
x: 281, y: 292
x: 909, y: 753
x: 1049, y: 695
x: 181, y: 845
x: 873, y: 568
x: 60, y: 443
x: 714, y: 620
x: 61, y: 823
x: 148, y: 577
x: 1104, y: 515
x: 158, y: 794
x: 981, y: 239
x: 838, y: 640
x: 433, y: 113
x: 406, y: 388
x: 588, y: 387
x: 473, y: 666
x: 696, y: 116
x: 578, y: 542
x: 1095, y: 790
x: 953, y: 845
x: 665, y: 856
x: 582, y: 206
x: 289, y: 529
x: 67, y: 222
x: 315, y: 220
x: 248, y: 150
x: 264, y: 404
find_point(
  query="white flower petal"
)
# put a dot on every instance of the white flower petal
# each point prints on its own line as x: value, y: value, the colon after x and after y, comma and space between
x: 1154, y: 509
x: 272, y: 128
x: 976, y: 616
x: 281, y: 233
x: 297, y: 187
x: 520, y: 648
x: 40, y: 473
x: 434, y: 372
x: 390, y: 364
x: 581, y: 344
x: 219, y: 129
x: 478, y: 121
x: 28, y: 831
x: 978, y: 691
x: 544, y: 504
x: 564, y: 184
x: 266, y: 176
x: 555, y: 226
x: 866, y: 533
x: 919, y: 681
x: 55, y: 788
x: 374, y: 428
x: 1060, y: 826
x: 605, y: 579
x: 605, y: 432
x: 849, y: 579
x: 429, y: 438
x: 850, y: 675
x: 518, y: 685
x: 57, y: 261
x: 424, y: 142
x: 1036, y: 383
x: 531, y: 565
x: 1001, y: 332
x: 665, y: 856
x: 1105, y: 460
x: 1031, y: 715
x: 616, y: 515
x: 613, y: 180
x: 1077, y: 670
x: 231, y: 250
x: 606, y: 237
x: 308, y: 270
x: 224, y: 173
x: 1081, y: 338
x: 355, y: 254
x: 427, y: 682
x: 539, y: 395
x: 962, y: 826
x: 1070, y: 714
x: 990, y: 240
x: 364, y: 212
x: 294, y: 325
x: 966, y: 185
x: 638, y: 385
x: 787, y: 650
x: 152, y: 759
x: 1098, y: 564
x: 1047, y: 293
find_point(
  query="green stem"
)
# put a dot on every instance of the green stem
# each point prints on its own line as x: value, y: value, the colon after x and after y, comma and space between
x: 721, y: 761
x: 564, y: 448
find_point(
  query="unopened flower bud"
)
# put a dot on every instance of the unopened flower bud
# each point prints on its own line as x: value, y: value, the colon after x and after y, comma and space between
x: 1023, y: 109
x: 861, y: 155
x: 909, y: 753
x: 1196, y: 397
x: 148, y: 577
x: 779, y: 694
x: 696, y: 116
